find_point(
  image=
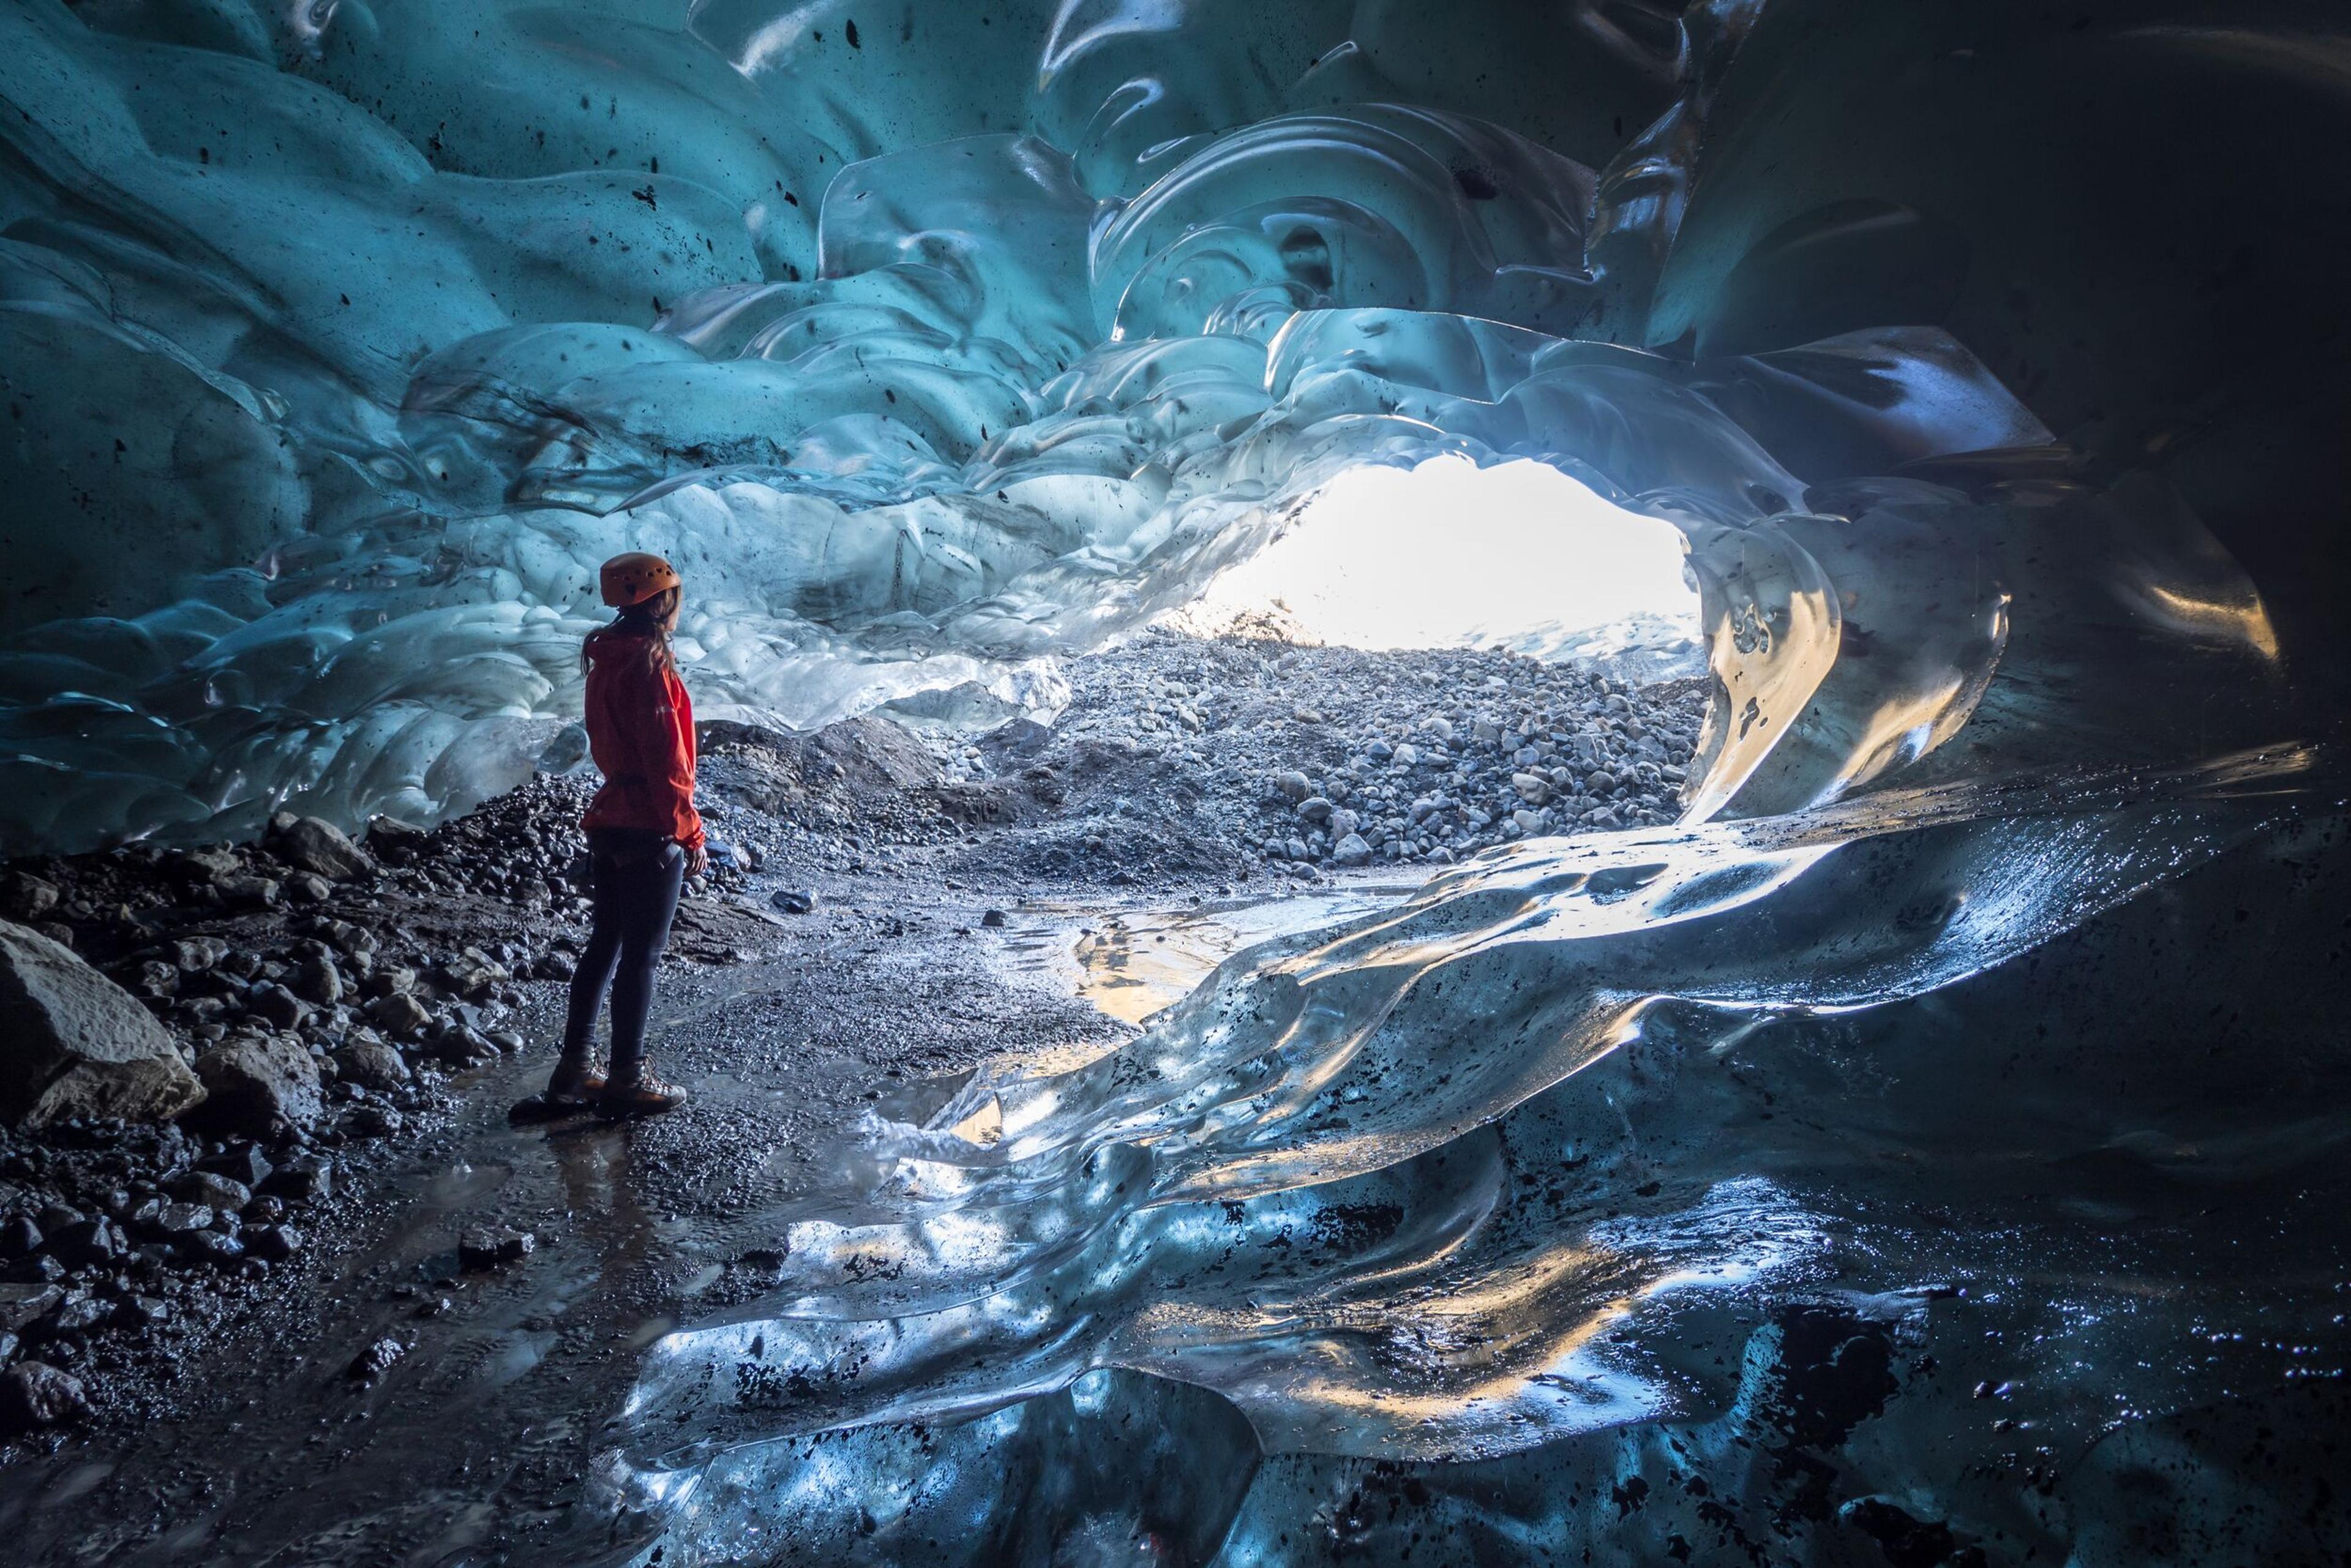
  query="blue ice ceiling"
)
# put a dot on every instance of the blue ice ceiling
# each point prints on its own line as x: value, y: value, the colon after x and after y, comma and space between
x: 341, y: 339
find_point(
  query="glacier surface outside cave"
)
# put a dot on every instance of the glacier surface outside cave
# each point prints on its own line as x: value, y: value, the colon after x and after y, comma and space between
x: 1985, y: 1011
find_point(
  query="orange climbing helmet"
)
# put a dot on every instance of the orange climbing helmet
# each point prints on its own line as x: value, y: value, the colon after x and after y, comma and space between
x: 633, y: 578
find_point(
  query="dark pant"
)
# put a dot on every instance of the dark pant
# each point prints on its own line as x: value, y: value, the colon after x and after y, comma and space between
x: 638, y: 879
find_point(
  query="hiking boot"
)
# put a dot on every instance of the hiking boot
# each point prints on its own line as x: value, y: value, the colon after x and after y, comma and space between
x: 574, y: 1083
x: 645, y: 1097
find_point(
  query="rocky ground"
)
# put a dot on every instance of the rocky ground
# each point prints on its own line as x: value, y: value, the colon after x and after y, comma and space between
x: 226, y: 1055
x: 1189, y: 757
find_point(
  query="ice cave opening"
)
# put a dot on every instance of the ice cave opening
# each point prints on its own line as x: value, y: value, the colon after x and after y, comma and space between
x: 1449, y: 554
x: 1900, y: 1120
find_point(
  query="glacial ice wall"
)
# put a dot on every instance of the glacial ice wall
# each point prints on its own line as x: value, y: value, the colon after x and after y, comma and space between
x: 1987, y: 356
x: 361, y: 335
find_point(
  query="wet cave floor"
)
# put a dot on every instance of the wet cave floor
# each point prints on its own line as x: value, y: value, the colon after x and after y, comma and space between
x: 478, y: 1436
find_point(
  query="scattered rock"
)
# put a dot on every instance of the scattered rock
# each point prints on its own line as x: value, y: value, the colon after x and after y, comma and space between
x: 138, y: 1312
x: 317, y: 981
x: 174, y: 1220
x: 76, y: 1044
x: 248, y: 892
x: 490, y: 1245
x: 277, y: 1006
x: 305, y: 1178
x: 23, y: 1303
x: 88, y: 1242
x: 373, y: 1121
x: 242, y: 1163
x: 460, y: 1045
x: 222, y: 1191
x: 254, y: 1086
x: 317, y: 847
x: 473, y: 974
x: 993, y: 919
x: 394, y: 834
x: 375, y: 1360
x: 214, y: 1247
x: 196, y: 955
x: 78, y: 1314
x: 24, y: 897
x: 19, y: 1237
x: 274, y: 1242
x: 793, y: 901
x: 391, y: 979
x: 399, y: 1015
x: 35, y: 1395
x: 1352, y: 851
x: 371, y: 1064
x: 309, y: 887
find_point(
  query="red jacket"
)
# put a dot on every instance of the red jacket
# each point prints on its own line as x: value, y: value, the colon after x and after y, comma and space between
x: 640, y: 733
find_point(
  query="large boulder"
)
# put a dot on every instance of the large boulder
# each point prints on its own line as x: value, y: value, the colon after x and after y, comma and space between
x: 73, y: 1043
x: 253, y: 1084
x: 320, y: 847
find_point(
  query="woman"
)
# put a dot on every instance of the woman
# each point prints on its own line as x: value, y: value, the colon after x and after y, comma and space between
x: 644, y: 834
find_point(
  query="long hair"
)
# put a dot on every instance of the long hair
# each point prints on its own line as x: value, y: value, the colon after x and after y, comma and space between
x: 646, y: 623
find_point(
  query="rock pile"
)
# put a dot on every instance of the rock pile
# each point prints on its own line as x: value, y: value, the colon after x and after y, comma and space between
x: 1190, y: 756
x: 1552, y: 751
x: 112, y: 1228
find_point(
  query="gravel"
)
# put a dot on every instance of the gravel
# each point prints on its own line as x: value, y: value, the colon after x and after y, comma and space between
x: 1182, y: 755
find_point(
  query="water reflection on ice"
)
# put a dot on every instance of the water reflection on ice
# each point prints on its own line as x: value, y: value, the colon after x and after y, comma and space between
x: 1526, y: 1157
x: 1133, y: 962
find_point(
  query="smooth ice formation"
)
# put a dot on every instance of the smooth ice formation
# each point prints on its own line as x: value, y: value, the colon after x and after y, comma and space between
x: 913, y: 399
x: 343, y: 340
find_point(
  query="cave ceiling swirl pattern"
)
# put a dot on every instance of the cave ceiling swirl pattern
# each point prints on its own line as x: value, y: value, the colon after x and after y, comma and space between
x: 1988, y: 357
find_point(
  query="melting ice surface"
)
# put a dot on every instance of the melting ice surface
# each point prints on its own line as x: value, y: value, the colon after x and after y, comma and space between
x: 1613, y: 1194
x: 1581, y: 1141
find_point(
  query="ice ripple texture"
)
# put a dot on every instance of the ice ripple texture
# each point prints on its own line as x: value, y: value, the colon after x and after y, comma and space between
x: 1604, y: 1192
x: 1521, y: 1193
x: 920, y: 385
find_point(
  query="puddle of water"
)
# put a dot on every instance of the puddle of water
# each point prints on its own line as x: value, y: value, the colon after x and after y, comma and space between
x: 1132, y: 963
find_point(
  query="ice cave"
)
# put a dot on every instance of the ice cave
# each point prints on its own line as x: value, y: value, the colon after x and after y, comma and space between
x: 1689, y: 659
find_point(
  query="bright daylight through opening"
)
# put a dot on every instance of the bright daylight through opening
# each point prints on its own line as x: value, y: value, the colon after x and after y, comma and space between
x: 1517, y: 555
